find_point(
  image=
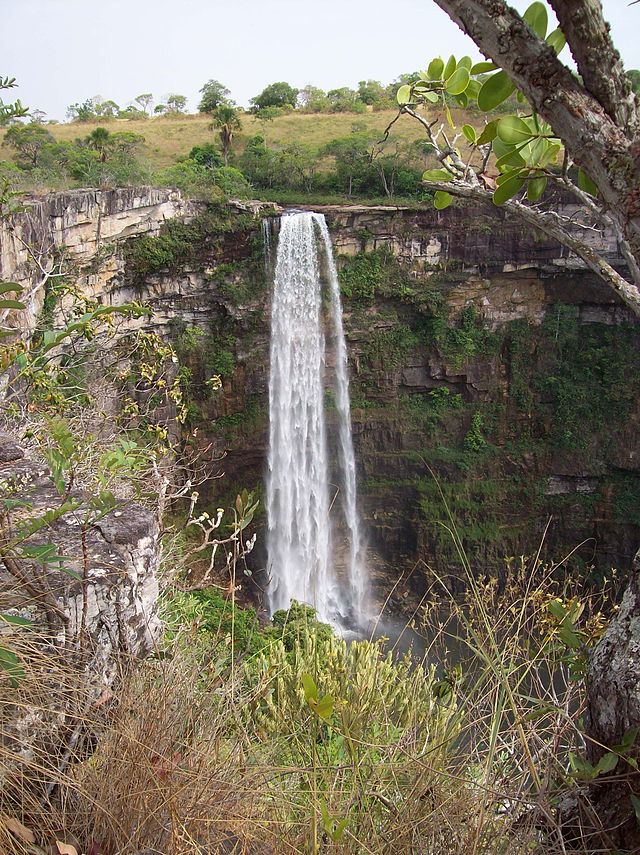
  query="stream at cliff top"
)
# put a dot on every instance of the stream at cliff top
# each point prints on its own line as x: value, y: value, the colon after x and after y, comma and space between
x: 304, y: 508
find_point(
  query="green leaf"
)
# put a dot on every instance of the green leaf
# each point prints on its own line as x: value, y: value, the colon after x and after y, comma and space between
x: 327, y: 821
x: 582, y: 768
x: 494, y: 91
x: 465, y: 62
x: 31, y: 526
x: 16, y: 620
x: 507, y: 190
x: 586, y: 184
x: 607, y: 763
x: 447, y: 113
x: 10, y: 664
x: 483, y: 67
x: 442, y: 200
x: 431, y: 96
x: 513, y: 130
x: 461, y: 100
x: 535, y: 151
x: 629, y: 738
x: 449, y: 68
x: 550, y: 154
x: 537, y: 19
x: 310, y: 688
x: 435, y: 69
x: 470, y: 133
x: 536, y: 188
x: 436, y: 175
x: 403, y: 94
x: 557, y: 609
x: 473, y: 88
x: 10, y: 288
x: 11, y: 304
x: 325, y: 707
x: 569, y: 636
x: 489, y: 133
x: 556, y: 40
x: 517, y: 171
x: 339, y: 830
x: 512, y: 159
x: 16, y: 503
x: 635, y: 801
x: 541, y: 711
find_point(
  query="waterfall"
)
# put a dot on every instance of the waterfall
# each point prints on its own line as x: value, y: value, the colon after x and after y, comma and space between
x: 267, y: 240
x: 299, y: 497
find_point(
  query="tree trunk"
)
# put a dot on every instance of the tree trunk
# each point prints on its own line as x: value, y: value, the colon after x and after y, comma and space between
x: 604, y: 812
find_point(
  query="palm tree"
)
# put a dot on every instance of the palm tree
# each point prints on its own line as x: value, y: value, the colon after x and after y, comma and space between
x: 100, y: 139
x: 227, y: 120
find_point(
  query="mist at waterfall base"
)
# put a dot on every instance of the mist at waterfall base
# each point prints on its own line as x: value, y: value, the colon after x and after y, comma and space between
x: 306, y: 511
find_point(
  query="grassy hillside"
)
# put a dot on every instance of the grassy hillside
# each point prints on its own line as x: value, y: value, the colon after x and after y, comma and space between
x: 169, y: 137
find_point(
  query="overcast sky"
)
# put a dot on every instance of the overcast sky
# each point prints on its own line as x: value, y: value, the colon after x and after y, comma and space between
x: 63, y: 51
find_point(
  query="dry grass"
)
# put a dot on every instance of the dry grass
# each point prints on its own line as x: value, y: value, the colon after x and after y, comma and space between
x: 198, y: 753
x: 170, y: 137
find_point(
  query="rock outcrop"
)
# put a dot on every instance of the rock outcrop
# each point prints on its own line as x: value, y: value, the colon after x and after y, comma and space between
x: 99, y: 603
x: 73, y: 234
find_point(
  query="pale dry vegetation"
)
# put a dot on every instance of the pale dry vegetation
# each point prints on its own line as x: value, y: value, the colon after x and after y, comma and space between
x: 290, y: 740
x: 169, y: 137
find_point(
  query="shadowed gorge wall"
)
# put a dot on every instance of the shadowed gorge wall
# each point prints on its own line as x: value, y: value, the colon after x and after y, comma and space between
x: 494, y: 382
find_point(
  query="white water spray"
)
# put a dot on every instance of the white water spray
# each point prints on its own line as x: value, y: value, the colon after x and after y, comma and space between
x: 298, y: 494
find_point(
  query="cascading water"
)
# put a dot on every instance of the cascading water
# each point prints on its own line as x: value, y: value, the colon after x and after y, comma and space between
x: 298, y: 494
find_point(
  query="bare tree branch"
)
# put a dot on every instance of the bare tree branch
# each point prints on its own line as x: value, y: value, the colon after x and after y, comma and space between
x: 549, y: 224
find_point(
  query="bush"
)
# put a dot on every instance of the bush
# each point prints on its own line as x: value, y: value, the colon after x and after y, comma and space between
x: 231, y: 181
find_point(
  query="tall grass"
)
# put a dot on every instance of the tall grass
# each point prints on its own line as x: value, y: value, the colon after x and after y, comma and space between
x: 314, y: 745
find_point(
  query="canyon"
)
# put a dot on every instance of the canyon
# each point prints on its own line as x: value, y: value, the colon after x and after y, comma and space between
x: 493, y: 379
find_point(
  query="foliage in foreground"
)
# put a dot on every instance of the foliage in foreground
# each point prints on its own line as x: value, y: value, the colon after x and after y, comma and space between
x: 288, y: 739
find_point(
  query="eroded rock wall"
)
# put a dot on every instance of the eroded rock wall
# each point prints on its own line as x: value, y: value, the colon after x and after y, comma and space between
x: 75, y: 234
x: 486, y: 363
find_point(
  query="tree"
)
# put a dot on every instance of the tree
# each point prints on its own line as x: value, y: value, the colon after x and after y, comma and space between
x: 84, y: 111
x: 591, y: 121
x: 595, y: 117
x: 100, y: 140
x: 105, y: 143
x: 275, y: 95
x: 206, y: 155
x: 352, y: 155
x: 106, y: 109
x: 176, y: 103
x: 132, y: 112
x: 227, y: 121
x: 373, y: 93
x: 214, y: 94
x: 258, y: 162
x: 28, y: 141
x: 311, y: 99
x: 10, y: 111
x: 144, y: 101
x: 345, y: 100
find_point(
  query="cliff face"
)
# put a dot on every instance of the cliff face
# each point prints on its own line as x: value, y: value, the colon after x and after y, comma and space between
x: 493, y: 378
x: 74, y: 234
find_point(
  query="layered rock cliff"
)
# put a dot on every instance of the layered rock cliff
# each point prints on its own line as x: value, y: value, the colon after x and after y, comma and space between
x: 494, y: 380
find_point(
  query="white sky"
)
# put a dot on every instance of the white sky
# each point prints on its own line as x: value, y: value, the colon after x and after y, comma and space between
x: 63, y: 51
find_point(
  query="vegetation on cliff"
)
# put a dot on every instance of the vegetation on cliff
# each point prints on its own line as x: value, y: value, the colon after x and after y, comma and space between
x: 240, y: 736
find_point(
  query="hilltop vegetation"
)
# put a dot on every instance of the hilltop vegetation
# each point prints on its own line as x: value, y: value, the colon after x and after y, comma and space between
x: 299, y: 142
